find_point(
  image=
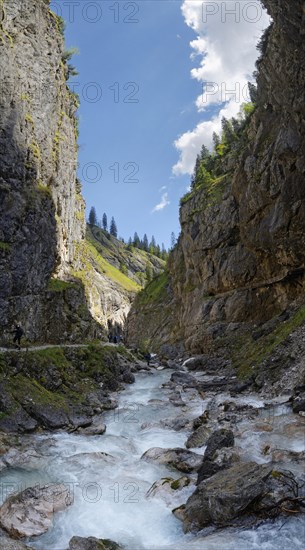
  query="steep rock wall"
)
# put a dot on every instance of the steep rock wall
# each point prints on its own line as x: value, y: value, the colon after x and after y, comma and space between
x: 240, y: 259
x: 42, y: 210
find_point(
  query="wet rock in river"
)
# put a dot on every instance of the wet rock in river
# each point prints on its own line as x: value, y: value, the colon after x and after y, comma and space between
x: 91, y: 543
x: 184, y: 378
x: 99, y: 457
x: 219, y: 439
x: 169, y: 489
x: 27, y: 459
x: 181, y: 459
x: 281, y: 455
x: 9, y: 544
x: 18, y: 421
x: 176, y: 399
x: 200, y: 420
x: 49, y: 416
x: 199, y: 437
x: 30, y: 513
x: 224, y: 496
x: 177, y: 424
x: 97, y: 428
x: 298, y: 402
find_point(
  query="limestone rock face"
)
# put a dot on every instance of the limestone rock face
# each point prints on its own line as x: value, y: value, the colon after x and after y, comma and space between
x: 42, y: 210
x: 246, y: 252
x: 240, y: 258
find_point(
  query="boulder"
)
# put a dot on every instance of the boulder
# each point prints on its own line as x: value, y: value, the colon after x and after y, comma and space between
x: 176, y: 399
x: 91, y: 543
x: 222, y: 459
x: 176, y: 424
x: 27, y: 459
x: 219, y: 439
x: 200, y: 420
x: 298, y: 403
x: 79, y: 420
x: 181, y: 459
x: 128, y: 377
x: 97, y: 457
x: 199, y: 437
x: 18, y: 421
x: 47, y: 415
x: 207, y: 469
x: 30, y: 513
x: 9, y: 544
x: 169, y: 489
x: 225, y: 496
x: 184, y: 378
x: 97, y: 428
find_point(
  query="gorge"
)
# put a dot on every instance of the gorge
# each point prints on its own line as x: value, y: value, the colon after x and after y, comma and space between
x: 201, y: 446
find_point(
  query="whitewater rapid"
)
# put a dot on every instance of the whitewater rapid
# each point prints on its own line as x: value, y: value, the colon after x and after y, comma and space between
x: 110, y: 489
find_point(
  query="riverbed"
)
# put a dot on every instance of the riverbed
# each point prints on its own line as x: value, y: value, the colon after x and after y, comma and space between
x: 109, y: 481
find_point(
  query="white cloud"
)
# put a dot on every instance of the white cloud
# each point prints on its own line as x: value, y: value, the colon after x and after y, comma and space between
x: 162, y: 204
x: 227, y: 34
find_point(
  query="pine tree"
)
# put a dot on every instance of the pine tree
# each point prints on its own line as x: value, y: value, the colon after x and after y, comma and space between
x: 252, y: 92
x: 113, y: 228
x: 228, y: 134
x: 92, y: 216
x: 152, y: 246
x: 105, y: 222
x: 216, y: 140
x: 145, y: 243
x: 136, y: 240
x: 173, y: 240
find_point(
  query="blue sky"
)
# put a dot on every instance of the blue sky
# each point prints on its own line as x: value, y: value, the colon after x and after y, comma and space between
x: 139, y: 118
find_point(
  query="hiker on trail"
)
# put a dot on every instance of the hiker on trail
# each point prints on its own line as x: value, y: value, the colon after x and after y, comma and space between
x: 18, y: 333
x: 115, y: 339
x: 148, y: 358
x: 110, y: 337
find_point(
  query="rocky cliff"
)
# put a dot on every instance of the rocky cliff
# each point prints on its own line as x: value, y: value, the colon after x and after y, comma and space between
x: 112, y: 273
x: 240, y: 259
x: 42, y: 210
x: 52, y: 279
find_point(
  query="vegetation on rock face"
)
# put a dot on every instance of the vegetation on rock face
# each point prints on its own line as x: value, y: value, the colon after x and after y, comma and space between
x: 90, y: 258
x: 154, y: 291
x: 136, y: 264
x: 211, y: 168
x: 249, y: 352
x: 57, y: 380
x: 57, y: 285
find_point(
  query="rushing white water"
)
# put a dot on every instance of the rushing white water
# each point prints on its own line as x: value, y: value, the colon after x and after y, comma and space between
x: 110, y: 489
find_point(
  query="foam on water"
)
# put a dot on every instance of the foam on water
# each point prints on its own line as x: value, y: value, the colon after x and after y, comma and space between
x: 110, y: 491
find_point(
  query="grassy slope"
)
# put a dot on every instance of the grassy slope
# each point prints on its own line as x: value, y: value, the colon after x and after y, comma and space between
x: 117, y: 253
x: 91, y: 260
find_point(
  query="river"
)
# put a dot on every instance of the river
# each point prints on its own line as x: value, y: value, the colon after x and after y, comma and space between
x: 110, y: 489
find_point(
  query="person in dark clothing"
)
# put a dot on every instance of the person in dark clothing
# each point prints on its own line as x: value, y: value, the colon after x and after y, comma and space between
x: 110, y: 337
x: 115, y: 339
x: 18, y: 333
x: 148, y: 358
